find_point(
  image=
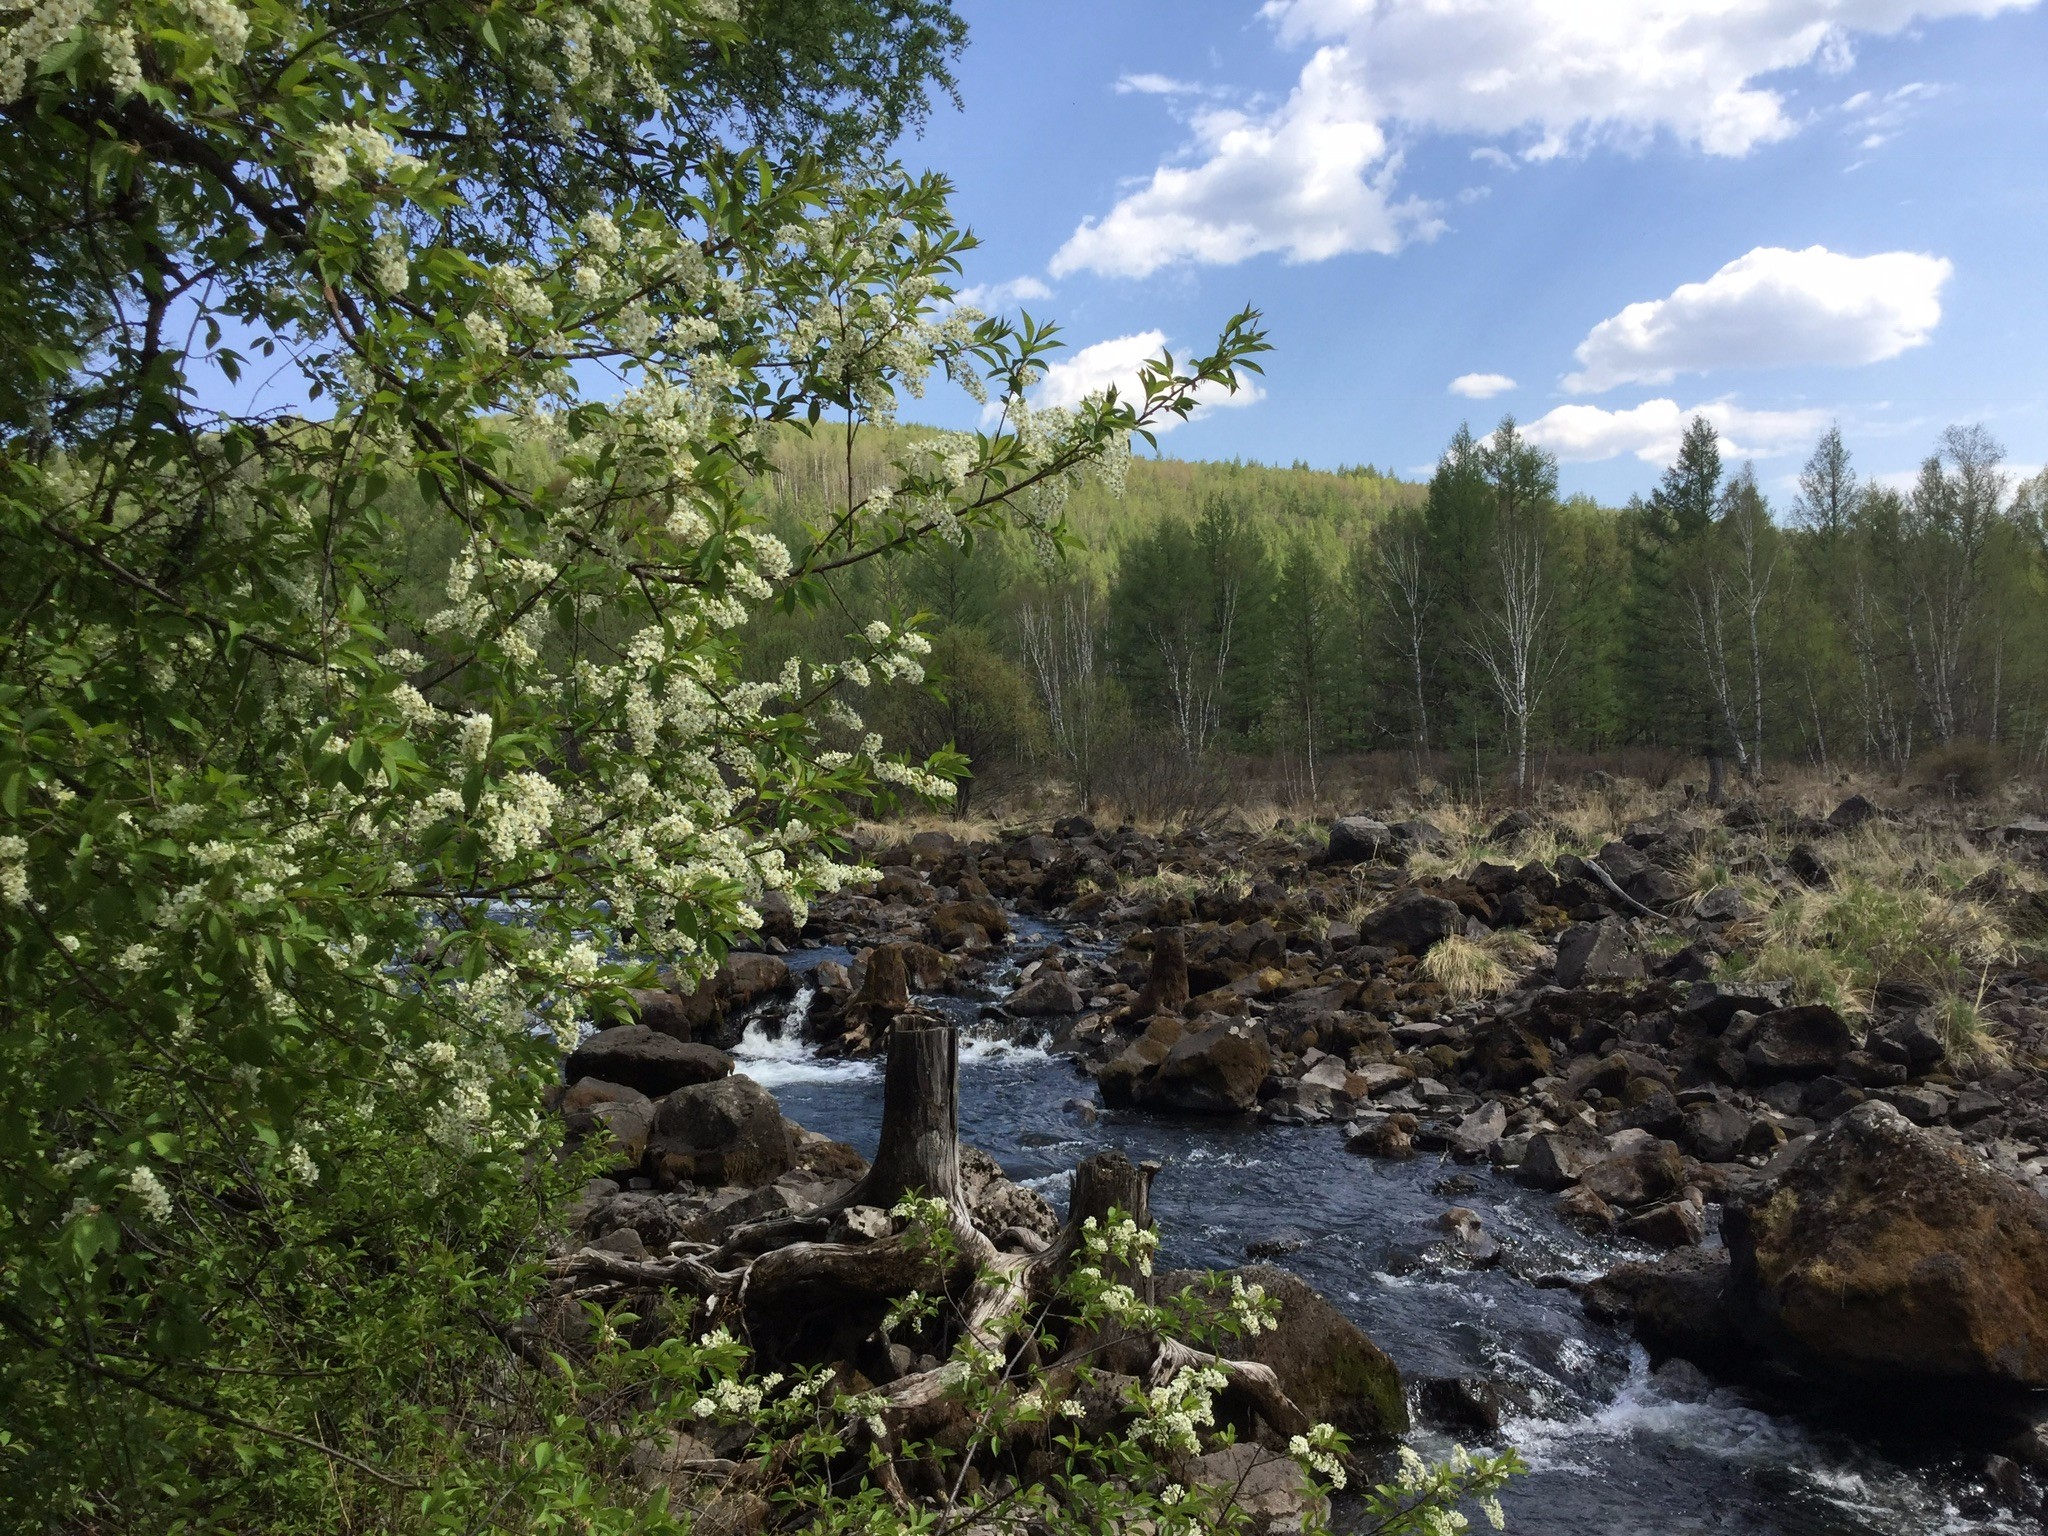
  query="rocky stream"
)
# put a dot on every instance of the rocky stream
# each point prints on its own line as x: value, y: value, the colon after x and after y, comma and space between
x: 1710, y: 1260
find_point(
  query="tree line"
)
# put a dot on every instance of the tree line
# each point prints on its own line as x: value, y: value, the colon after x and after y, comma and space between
x: 1234, y: 616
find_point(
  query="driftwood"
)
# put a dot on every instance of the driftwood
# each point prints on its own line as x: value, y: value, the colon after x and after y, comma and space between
x: 775, y: 1278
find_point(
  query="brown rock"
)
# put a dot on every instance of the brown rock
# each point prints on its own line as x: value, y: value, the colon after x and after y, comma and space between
x: 634, y: 1056
x: 723, y: 1133
x: 1890, y: 1253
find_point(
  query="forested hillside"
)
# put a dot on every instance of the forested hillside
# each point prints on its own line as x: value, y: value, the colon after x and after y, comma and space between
x: 1225, y: 619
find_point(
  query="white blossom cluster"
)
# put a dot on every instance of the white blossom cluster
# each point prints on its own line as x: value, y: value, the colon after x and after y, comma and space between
x: 1175, y: 1412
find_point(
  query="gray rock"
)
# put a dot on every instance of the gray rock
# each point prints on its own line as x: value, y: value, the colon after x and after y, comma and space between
x: 1413, y: 920
x: 1596, y: 952
x: 1801, y: 1042
x: 1723, y: 904
x: 1713, y: 1131
x: 1050, y: 992
x: 646, y: 1060
x: 1357, y: 839
x: 1555, y: 1160
x: 1479, y: 1130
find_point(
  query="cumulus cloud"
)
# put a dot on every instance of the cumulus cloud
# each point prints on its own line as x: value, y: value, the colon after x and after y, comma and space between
x: 1001, y: 295
x: 1770, y: 308
x: 1315, y: 177
x: 1310, y: 181
x: 1651, y: 431
x: 1481, y: 386
x: 1095, y: 368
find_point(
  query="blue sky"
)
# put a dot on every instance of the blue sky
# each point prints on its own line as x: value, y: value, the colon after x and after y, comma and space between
x: 1784, y: 211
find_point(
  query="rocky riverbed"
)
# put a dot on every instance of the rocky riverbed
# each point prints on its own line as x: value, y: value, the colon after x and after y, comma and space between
x: 1715, y: 1258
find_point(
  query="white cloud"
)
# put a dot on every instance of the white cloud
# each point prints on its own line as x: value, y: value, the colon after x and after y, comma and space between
x: 1651, y: 431
x: 1095, y: 368
x: 1481, y: 386
x: 1154, y: 85
x: 1315, y: 177
x: 1001, y: 295
x: 1770, y: 308
x: 1309, y: 181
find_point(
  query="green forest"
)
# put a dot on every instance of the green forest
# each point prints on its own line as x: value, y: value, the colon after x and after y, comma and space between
x: 1219, y: 626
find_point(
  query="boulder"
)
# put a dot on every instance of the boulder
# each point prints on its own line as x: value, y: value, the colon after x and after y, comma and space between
x: 1166, y: 984
x: 1324, y: 1361
x: 1809, y: 868
x: 1413, y: 920
x: 1638, y: 1172
x: 723, y: 1133
x: 646, y: 1060
x: 967, y: 924
x: 1886, y: 1253
x: 1595, y: 952
x: 1852, y: 813
x: 1356, y: 839
x: 1722, y: 904
x: 1712, y: 1005
x: 1118, y: 1077
x: 1798, y: 1042
x: 1215, y: 1069
x: 1555, y: 1159
x: 1675, y: 1224
x: 999, y: 1204
x: 1270, y: 1492
x: 1912, y: 1040
x: 1713, y: 1131
x: 1049, y: 992
x: 1478, y: 1131
x: 1678, y: 1305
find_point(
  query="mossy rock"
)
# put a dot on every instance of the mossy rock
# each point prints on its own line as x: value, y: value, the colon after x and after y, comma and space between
x: 1325, y: 1362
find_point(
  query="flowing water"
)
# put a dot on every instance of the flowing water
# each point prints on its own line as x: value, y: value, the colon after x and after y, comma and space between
x: 1612, y: 1452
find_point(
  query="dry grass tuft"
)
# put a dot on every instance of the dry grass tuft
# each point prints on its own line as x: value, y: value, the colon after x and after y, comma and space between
x: 1466, y: 969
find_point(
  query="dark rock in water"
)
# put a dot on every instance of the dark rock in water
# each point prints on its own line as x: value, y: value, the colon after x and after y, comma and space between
x: 1852, y: 813
x: 1555, y: 1159
x: 1413, y: 920
x: 1478, y: 1131
x: 1357, y: 839
x: 1887, y: 1253
x: 1809, y: 868
x: 1581, y: 1209
x: 1166, y: 984
x: 1119, y: 1077
x: 1683, y: 1382
x: 728, y: 1132
x: 1675, y: 1224
x: 641, y: 1058
x: 1212, y: 1070
x: 1334, y: 1373
x: 1595, y: 952
x: 1467, y: 1236
x: 1797, y: 1043
x: 1459, y: 1402
x: 1638, y: 1172
x: 1275, y: 1246
x: 1456, y: 1184
x: 1082, y: 1110
x: 1676, y: 1306
x: 1048, y: 993
x: 1384, y: 1135
x: 966, y: 924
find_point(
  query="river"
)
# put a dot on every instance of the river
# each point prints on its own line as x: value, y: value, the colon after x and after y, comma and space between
x: 1612, y: 1451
